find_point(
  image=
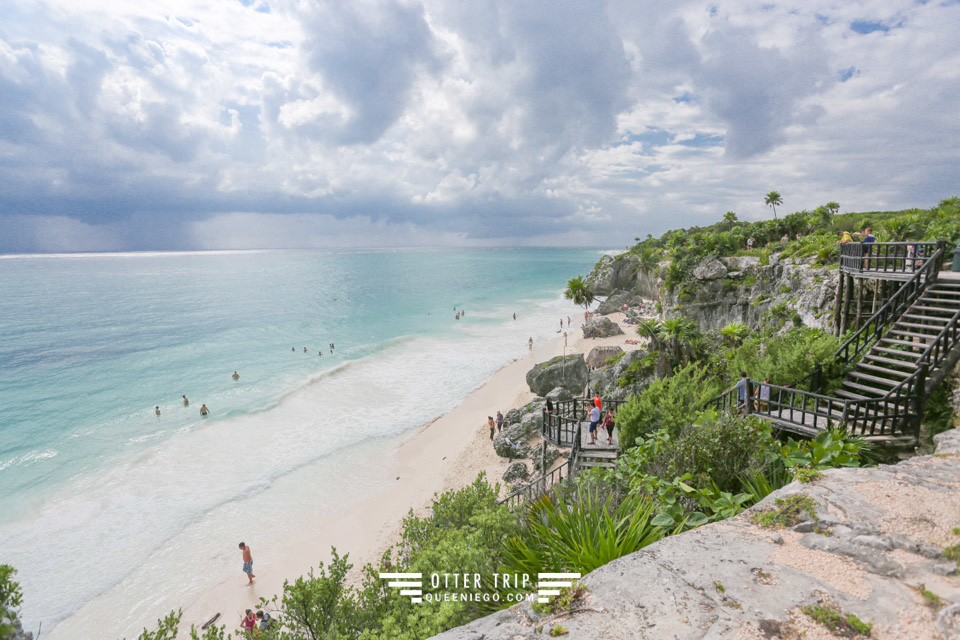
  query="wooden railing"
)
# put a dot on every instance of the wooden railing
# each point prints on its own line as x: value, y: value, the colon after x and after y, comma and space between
x: 892, y: 309
x: 892, y: 258
x: 538, y: 487
x: 808, y: 413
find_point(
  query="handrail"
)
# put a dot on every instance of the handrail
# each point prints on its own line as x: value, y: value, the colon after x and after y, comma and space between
x: 893, y: 307
x: 886, y: 257
x: 536, y: 487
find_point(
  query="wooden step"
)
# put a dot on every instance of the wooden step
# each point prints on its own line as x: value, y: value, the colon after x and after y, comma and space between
x: 594, y: 465
x: 888, y: 370
x: 903, y: 343
x: 917, y: 325
x: 873, y: 392
x: 943, y: 302
x: 946, y: 284
x: 934, y: 309
x: 891, y: 361
x: 909, y: 354
x: 943, y: 292
x: 935, y: 320
x: 872, y: 378
x: 607, y: 454
x: 912, y: 334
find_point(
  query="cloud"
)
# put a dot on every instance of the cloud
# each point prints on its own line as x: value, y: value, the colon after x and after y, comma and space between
x: 124, y: 125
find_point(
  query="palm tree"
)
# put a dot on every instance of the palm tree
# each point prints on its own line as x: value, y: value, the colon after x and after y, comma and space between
x: 833, y: 207
x: 772, y: 200
x: 680, y: 333
x: 648, y: 259
x: 579, y: 291
x: 735, y: 333
x: 730, y: 218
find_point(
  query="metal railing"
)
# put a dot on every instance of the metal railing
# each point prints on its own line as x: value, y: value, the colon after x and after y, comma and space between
x: 891, y: 258
x: 893, y: 308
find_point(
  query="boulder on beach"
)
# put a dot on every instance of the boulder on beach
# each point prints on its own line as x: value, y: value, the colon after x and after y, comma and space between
x: 598, y: 356
x: 516, y: 471
x: 601, y: 328
x: 537, y: 457
x: 570, y: 374
x: 511, y: 442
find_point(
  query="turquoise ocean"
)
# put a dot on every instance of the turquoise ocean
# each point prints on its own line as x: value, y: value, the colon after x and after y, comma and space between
x: 93, y: 482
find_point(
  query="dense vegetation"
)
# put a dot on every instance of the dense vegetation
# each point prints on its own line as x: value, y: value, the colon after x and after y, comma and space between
x: 685, y: 248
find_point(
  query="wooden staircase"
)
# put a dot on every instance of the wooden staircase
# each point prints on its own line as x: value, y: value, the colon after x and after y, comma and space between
x: 902, y: 350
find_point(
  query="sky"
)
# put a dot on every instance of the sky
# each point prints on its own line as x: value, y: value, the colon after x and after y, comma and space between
x: 233, y: 124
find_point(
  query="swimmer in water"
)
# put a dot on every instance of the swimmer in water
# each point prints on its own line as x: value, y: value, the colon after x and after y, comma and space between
x: 186, y: 402
x: 236, y: 376
x: 158, y: 410
x: 203, y: 410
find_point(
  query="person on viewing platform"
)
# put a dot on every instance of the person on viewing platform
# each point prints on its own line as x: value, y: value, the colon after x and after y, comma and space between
x: 594, y: 421
x: 742, y: 392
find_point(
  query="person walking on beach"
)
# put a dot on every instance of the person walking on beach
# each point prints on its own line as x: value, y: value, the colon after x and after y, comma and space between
x: 568, y: 322
x: 186, y: 401
x: 564, y: 340
x: 158, y: 410
x: 499, y: 421
x: 203, y: 411
x: 247, y: 564
x: 235, y: 376
x: 491, y: 425
x: 594, y: 421
x: 530, y: 342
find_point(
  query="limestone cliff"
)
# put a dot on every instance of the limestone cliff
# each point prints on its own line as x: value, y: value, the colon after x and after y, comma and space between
x: 872, y: 545
x: 725, y: 290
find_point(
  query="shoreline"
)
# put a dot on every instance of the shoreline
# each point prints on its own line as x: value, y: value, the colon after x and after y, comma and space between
x: 405, y: 474
x: 447, y: 453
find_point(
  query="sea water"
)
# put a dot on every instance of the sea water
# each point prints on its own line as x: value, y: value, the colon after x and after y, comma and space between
x: 96, y: 489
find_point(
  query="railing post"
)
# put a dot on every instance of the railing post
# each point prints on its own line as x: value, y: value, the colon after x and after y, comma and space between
x: 747, y: 396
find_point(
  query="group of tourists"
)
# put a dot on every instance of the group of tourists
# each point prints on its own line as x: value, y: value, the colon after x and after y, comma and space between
x: 495, y: 425
x: 607, y: 421
x: 761, y: 394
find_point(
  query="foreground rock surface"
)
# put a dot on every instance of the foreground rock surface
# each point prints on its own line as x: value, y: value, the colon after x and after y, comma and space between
x: 876, y: 540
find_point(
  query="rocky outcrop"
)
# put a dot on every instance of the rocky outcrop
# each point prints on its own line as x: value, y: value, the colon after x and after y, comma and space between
x: 569, y: 373
x: 734, y: 289
x: 17, y: 633
x: 601, y: 327
x: 709, y: 269
x: 516, y: 471
x: 598, y: 356
x: 537, y: 456
x: 512, y: 442
x: 605, y: 380
x: 874, y: 538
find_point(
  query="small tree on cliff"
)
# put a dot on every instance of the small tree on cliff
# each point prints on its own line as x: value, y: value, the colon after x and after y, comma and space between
x: 579, y: 291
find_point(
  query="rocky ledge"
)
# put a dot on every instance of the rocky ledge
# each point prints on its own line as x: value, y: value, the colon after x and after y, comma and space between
x: 867, y: 542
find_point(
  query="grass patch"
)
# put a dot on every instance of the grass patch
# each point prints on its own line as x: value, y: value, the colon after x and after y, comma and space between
x: 931, y: 599
x: 544, y: 365
x: 806, y: 475
x: 558, y: 630
x: 846, y: 624
x: 788, y: 512
x: 566, y: 601
x: 719, y: 587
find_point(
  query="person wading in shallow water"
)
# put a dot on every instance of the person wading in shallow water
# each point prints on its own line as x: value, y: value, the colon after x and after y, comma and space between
x: 247, y: 562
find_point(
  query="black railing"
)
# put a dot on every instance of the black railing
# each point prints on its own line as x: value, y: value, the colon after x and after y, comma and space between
x: 538, y: 487
x: 893, y: 308
x: 891, y: 258
x: 562, y: 426
x: 806, y: 413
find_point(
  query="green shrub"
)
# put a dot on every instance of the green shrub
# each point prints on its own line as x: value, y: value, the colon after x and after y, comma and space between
x: 845, y: 623
x: 11, y: 597
x: 717, y: 451
x: 668, y: 403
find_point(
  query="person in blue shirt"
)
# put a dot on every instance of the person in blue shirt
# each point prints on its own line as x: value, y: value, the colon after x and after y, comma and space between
x: 742, y: 390
x: 868, y: 240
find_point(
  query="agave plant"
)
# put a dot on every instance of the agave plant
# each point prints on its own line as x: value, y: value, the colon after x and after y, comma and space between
x: 581, y: 532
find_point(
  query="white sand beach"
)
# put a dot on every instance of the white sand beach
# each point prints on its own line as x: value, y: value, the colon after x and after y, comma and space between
x: 446, y: 454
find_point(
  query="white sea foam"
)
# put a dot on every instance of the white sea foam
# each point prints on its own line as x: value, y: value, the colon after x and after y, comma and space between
x: 196, y: 481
